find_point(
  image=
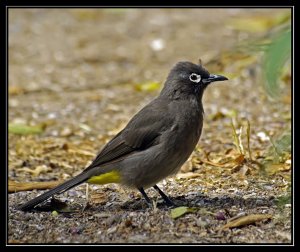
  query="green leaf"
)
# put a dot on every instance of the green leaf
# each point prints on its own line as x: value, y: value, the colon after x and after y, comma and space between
x: 54, y: 213
x: 179, y: 211
x: 283, y: 144
x: 248, y: 139
x: 276, y: 55
x: 281, y: 201
x: 22, y: 129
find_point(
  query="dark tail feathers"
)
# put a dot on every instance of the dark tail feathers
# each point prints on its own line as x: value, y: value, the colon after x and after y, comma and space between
x: 59, y: 189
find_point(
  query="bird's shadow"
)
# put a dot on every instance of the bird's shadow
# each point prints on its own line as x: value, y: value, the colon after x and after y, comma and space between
x: 200, y: 201
x: 196, y: 200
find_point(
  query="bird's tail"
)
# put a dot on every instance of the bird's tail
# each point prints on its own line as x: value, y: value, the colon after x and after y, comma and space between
x: 57, y: 190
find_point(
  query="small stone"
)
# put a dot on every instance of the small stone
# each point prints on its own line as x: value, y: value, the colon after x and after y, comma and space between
x: 201, y: 223
x: 76, y: 230
x: 157, y: 44
x: 263, y: 136
x: 112, y: 230
x: 220, y: 216
x: 259, y: 202
x: 66, y: 132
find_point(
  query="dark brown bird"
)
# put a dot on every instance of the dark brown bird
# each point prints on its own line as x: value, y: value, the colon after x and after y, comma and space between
x: 156, y: 141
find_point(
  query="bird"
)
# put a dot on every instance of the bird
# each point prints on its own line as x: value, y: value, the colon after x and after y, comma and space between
x: 155, y: 143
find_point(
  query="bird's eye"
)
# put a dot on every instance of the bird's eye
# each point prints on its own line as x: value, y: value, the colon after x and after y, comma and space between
x: 195, y: 78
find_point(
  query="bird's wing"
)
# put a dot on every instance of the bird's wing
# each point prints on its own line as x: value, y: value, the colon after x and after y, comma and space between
x: 139, y: 134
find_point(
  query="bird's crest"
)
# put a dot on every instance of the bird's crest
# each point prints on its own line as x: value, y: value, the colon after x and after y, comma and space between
x: 200, y: 62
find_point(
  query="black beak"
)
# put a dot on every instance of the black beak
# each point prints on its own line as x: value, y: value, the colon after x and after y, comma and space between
x: 214, y: 77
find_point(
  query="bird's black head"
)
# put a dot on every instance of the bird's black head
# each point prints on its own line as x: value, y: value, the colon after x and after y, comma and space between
x: 186, y: 79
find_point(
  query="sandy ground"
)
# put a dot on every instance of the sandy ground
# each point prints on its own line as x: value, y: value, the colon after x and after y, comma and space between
x: 84, y: 73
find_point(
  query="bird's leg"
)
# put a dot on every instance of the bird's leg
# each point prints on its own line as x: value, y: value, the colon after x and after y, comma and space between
x: 165, y: 197
x: 145, y: 195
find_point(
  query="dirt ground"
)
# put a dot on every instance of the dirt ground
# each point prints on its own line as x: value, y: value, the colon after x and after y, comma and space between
x: 81, y: 74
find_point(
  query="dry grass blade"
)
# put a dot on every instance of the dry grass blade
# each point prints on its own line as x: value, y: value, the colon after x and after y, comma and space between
x: 236, y: 137
x: 187, y: 175
x: 248, y: 139
x: 23, y: 129
x: 241, y: 147
x: 14, y: 186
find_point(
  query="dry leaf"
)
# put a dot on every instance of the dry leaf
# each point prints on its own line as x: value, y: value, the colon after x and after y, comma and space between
x: 246, y: 220
x: 240, y: 159
x: 188, y: 165
x: 147, y: 86
x: 39, y: 169
x: 212, y: 163
x: 187, y: 175
x: 99, y: 197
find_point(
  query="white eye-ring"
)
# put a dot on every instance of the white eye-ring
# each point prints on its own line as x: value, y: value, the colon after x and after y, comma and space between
x: 195, y: 78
